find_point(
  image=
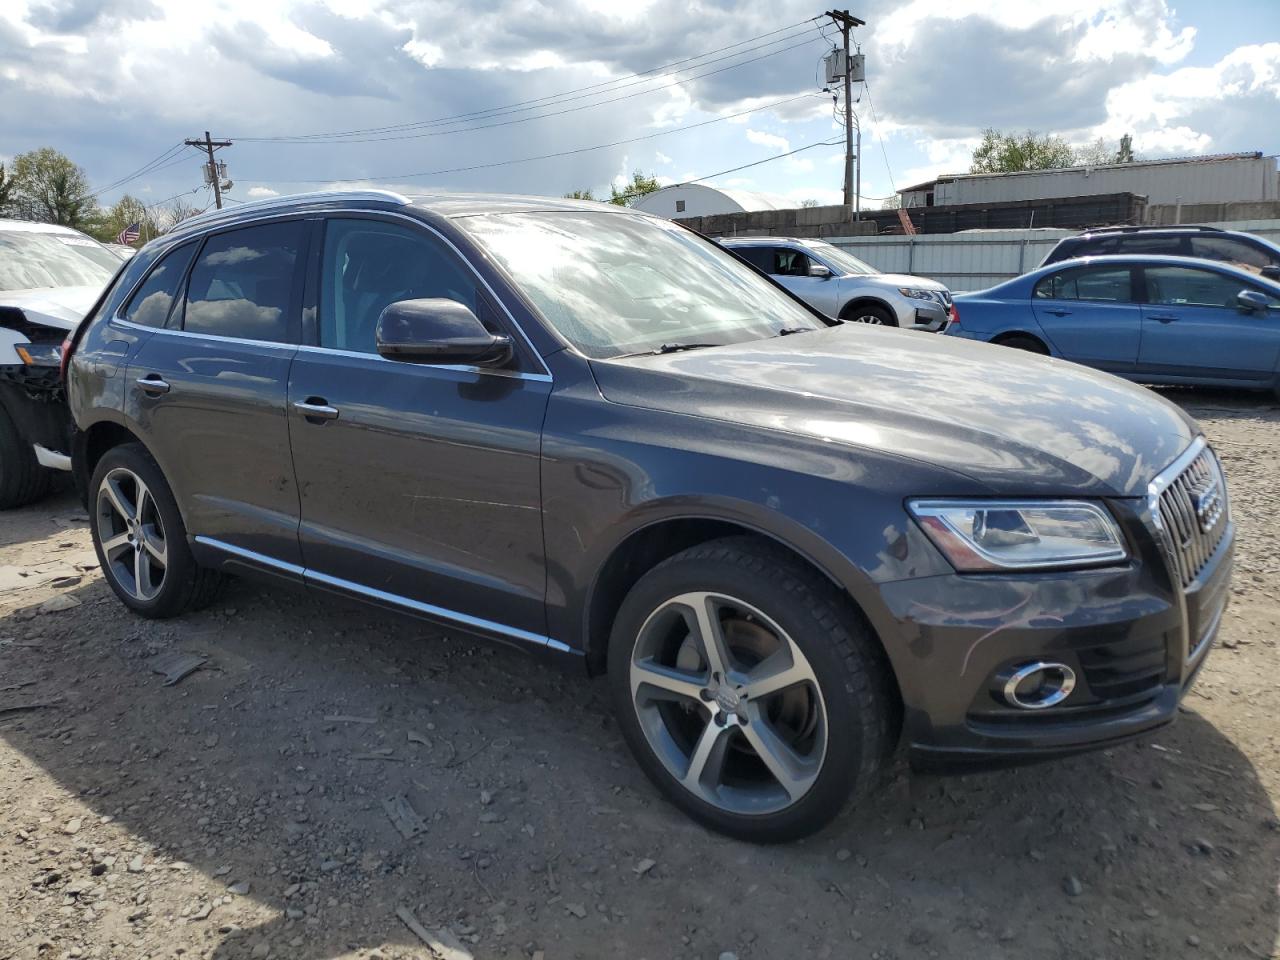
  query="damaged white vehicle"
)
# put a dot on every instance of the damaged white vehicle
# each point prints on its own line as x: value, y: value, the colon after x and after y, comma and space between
x: 49, y: 278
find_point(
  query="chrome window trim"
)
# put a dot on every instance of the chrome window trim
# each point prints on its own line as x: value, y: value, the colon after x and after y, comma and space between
x: 211, y: 338
x: 545, y: 376
x: 460, y: 368
x: 396, y: 599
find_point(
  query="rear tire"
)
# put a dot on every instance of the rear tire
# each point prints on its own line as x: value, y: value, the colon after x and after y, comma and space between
x: 140, y: 538
x: 22, y: 479
x: 1022, y: 342
x: 876, y: 316
x: 801, y: 718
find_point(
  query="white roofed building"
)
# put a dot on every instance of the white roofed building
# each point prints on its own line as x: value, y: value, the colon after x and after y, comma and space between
x: 700, y: 200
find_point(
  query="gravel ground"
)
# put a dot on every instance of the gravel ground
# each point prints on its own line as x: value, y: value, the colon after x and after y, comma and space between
x: 244, y: 811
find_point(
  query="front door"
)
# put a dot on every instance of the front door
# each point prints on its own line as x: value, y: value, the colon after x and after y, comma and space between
x: 1090, y: 315
x: 207, y: 389
x: 1193, y: 326
x: 791, y: 269
x: 419, y: 484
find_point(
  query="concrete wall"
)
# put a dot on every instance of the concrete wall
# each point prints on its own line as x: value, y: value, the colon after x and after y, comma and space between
x: 801, y: 222
x: 1168, y: 213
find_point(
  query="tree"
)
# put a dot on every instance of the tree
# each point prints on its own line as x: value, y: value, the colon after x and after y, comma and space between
x: 51, y: 189
x: 1094, y: 154
x: 637, y: 188
x: 579, y: 195
x: 1011, y: 152
x: 124, y: 212
x: 809, y: 204
x: 8, y: 194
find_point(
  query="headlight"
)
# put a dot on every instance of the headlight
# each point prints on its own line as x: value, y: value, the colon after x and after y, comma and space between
x: 40, y: 354
x: 984, y: 535
x: 915, y: 294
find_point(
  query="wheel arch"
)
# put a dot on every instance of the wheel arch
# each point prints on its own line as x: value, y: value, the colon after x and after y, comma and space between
x: 652, y: 542
x: 1004, y: 336
x: 869, y: 300
x: 91, y: 445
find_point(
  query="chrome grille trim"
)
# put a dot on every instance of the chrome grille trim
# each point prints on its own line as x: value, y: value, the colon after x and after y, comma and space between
x: 1188, y: 504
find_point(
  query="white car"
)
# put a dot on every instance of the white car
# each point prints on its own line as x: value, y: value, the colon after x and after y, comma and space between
x: 840, y: 285
x: 50, y: 277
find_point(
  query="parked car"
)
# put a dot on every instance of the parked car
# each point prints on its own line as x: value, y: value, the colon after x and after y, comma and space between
x: 49, y: 278
x: 579, y: 429
x: 121, y: 250
x: 842, y: 286
x: 1239, y: 249
x: 1151, y: 319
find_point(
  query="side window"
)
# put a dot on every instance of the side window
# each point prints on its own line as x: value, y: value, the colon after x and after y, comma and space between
x: 759, y: 257
x: 243, y: 281
x: 1098, y: 284
x: 1189, y: 287
x: 1152, y: 246
x: 790, y: 263
x: 1230, y: 250
x: 368, y: 264
x: 151, y: 302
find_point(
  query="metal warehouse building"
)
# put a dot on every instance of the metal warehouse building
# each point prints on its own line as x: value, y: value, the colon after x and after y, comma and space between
x: 1221, y: 178
x: 699, y: 200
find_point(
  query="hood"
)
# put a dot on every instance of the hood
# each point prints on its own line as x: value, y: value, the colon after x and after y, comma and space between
x: 906, y: 280
x: 60, y: 307
x: 1018, y: 423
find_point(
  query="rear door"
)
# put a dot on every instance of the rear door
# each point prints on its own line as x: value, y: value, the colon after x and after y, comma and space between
x: 1192, y: 326
x: 207, y: 389
x: 1090, y: 315
x: 419, y: 483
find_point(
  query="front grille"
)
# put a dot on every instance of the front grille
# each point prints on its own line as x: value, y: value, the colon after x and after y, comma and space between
x: 1192, y: 511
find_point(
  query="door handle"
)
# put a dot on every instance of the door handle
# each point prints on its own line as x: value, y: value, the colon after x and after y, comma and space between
x: 153, y: 384
x: 1059, y: 312
x: 315, y: 409
x: 1165, y: 318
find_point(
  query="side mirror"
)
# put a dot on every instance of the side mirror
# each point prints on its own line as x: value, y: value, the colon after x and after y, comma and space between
x: 1251, y: 301
x: 438, y: 331
x: 1271, y: 271
x: 819, y: 271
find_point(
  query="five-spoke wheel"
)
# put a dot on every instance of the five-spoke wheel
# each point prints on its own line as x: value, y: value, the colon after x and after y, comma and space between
x: 132, y: 533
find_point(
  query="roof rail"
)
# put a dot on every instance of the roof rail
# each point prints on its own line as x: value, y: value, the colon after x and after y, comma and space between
x: 294, y: 200
x: 1151, y: 228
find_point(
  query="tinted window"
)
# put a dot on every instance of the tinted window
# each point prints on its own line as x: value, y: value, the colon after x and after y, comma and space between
x: 242, y: 283
x: 1230, y: 250
x: 759, y: 257
x: 1189, y: 287
x: 790, y: 263
x: 368, y: 265
x: 150, y: 305
x: 1152, y: 246
x: 1105, y: 284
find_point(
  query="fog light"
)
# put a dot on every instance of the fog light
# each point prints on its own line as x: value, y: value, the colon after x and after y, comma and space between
x: 1036, y: 686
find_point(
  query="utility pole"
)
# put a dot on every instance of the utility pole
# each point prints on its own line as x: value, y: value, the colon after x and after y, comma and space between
x: 209, y: 144
x: 846, y: 23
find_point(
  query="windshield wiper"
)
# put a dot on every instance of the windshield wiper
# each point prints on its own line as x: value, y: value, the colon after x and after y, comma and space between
x: 672, y: 348
x: 787, y: 331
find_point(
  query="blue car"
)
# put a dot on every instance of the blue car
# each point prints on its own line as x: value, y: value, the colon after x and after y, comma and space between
x: 1174, y: 320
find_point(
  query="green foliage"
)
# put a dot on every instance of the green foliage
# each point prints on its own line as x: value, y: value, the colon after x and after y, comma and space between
x: 579, y: 195
x: 8, y: 194
x: 1011, y: 152
x: 107, y: 224
x: 49, y: 188
x: 808, y: 204
x: 637, y: 188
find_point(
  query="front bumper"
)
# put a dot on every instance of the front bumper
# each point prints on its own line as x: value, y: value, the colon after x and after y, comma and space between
x: 1134, y: 639
x: 36, y: 403
x: 923, y: 315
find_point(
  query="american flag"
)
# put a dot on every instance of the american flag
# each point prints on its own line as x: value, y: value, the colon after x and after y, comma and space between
x: 129, y: 234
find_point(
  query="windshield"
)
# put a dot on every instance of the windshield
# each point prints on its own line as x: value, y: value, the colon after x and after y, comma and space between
x: 30, y: 260
x: 613, y: 284
x: 847, y: 263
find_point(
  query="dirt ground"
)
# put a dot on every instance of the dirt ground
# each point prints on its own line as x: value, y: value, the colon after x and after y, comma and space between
x: 241, y: 812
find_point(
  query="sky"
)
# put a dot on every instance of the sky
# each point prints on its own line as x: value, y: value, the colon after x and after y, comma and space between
x: 548, y: 96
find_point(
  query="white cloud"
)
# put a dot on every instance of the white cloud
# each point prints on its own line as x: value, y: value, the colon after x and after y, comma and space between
x: 257, y: 193
x: 769, y: 140
x: 660, y: 157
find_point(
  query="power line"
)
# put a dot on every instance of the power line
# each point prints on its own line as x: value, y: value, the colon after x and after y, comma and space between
x: 556, y: 97
x: 883, y: 152
x: 542, y: 116
x: 148, y: 167
x: 546, y: 156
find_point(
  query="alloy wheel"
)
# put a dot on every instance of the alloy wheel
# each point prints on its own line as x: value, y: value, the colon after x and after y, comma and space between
x: 869, y: 318
x: 728, y: 703
x: 132, y: 534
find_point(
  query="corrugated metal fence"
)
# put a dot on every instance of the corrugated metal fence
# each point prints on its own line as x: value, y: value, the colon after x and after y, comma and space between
x: 982, y: 258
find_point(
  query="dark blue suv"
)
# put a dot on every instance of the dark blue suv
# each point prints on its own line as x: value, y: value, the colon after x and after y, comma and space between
x: 597, y: 436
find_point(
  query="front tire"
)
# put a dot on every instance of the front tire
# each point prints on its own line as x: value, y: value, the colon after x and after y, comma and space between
x: 869, y: 314
x: 749, y: 692
x: 140, y: 538
x: 1022, y: 342
x: 22, y: 479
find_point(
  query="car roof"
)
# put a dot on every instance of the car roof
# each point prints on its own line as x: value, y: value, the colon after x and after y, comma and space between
x: 1148, y: 259
x: 764, y: 241
x: 29, y: 226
